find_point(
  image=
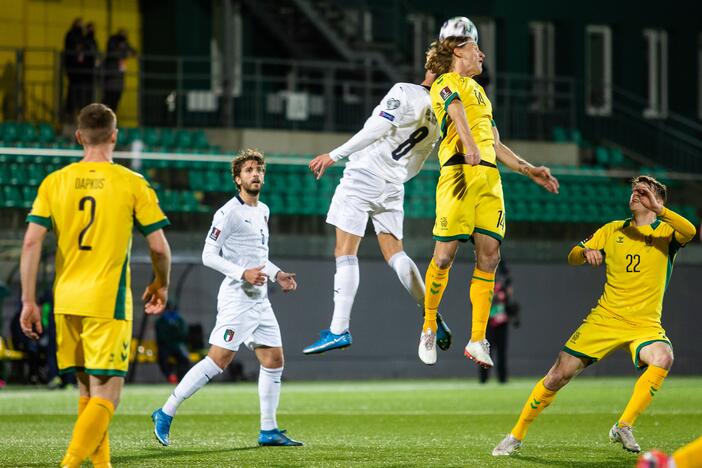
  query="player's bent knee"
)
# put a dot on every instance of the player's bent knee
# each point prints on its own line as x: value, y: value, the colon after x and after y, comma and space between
x: 663, y: 360
x: 488, y: 261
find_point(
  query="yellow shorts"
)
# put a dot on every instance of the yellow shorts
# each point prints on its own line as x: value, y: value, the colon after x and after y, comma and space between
x: 469, y: 199
x: 601, y: 334
x: 98, y: 346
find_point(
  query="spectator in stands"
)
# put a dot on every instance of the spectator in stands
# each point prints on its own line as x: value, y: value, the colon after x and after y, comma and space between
x: 72, y: 61
x: 91, y: 53
x: 503, y: 311
x: 118, y: 51
x: 171, y: 339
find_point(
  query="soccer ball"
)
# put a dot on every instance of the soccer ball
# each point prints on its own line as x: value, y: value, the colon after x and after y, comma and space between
x: 459, y: 26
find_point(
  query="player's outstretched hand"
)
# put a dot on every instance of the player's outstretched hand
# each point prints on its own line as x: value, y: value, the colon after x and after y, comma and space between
x: 255, y: 276
x: 472, y: 155
x: 30, y: 320
x: 286, y: 281
x: 320, y: 164
x: 155, y: 297
x: 593, y: 256
x: 542, y: 176
x: 648, y: 199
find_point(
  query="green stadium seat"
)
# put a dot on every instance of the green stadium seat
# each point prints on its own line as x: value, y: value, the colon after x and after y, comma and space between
x: 28, y: 196
x: 46, y: 133
x: 617, y: 158
x: 168, y: 138
x: 559, y: 135
x: 18, y: 174
x: 9, y: 133
x: 35, y: 174
x: 151, y: 137
x: 602, y: 156
x: 183, y: 139
x: 12, y: 196
x: 4, y: 174
x: 199, y: 140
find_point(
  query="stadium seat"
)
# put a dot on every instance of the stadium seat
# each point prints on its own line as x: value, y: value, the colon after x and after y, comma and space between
x: 12, y: 196
x: 559, y: 135
x: 46, y: 134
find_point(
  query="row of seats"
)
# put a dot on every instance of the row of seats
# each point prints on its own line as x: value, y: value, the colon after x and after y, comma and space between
x: 13, y: 133
x: 165, y: 139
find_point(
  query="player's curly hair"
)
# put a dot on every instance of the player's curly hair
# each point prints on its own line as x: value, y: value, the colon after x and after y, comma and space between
x: 248, y: 154
x: 658, y: 188
x: 440, y: 55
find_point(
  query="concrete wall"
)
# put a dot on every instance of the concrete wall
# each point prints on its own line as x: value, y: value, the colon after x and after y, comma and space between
x: 385, y: 322
x: 301, y: 142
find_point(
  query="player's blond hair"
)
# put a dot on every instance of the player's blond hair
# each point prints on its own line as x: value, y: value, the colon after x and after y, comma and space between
x: 248, y: 154
x: 440, y: 55
x: 96, y: 122
x: 658, y: 188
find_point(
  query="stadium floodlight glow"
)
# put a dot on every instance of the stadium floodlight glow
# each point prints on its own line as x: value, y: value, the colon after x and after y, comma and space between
x: 459, y: 26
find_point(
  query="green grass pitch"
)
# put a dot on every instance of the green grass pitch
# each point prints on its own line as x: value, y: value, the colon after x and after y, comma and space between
x: 420, y: 423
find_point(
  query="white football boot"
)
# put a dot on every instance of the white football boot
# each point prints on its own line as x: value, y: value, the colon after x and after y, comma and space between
x: 507, y: 447
x: 427, y: 347
x: 479, y: 351
x: 625, y: 436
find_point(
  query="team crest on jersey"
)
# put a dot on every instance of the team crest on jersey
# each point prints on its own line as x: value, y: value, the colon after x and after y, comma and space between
x: 445, y: 93
x: 392, y: 103
x: 214, y: 234
x: 620, y: 239
x: 649, y: 241
x: 228, y: 335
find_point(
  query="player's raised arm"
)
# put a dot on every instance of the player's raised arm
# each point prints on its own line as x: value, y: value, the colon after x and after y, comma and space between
x: 541, y: 175
x: 30, y: 318
x: 156, y: 294
x: 684, y: 229
x: 377, y: 125
x: 457, y: 113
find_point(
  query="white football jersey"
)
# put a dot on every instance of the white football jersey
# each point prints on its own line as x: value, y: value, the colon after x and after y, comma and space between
x: 240, y: 232
x: 401, y: 152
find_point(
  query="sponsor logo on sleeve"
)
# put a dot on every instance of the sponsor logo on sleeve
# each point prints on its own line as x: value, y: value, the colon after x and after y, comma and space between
x: 384, y: 114
x: 392, y: 103
x: 214, y: 234
x: 445, y: 93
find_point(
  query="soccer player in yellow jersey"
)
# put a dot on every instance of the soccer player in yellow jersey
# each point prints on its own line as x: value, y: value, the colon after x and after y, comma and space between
x: 638, y: 254
x: 469, y: 201
x: 92, y: 206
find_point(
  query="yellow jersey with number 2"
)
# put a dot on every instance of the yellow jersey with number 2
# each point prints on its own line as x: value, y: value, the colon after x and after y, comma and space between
x: 93, y: 207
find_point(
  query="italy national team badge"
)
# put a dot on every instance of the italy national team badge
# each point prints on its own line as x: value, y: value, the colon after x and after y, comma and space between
x: 445, y: 93
x: 214, y: 234
x: 228, y: 335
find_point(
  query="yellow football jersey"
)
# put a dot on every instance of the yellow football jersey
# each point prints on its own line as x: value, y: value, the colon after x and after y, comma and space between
x: 93, y: 207
x: 445, y: 89
x: 639, y: 262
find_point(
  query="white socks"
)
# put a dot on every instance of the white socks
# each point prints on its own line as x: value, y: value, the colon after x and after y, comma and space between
x: 345, y: 287
x: 269, y: 395
x: 409, y: 276
x: 196, y: 378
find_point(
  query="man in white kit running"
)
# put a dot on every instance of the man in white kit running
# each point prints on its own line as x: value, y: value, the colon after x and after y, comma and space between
x: 244, y: 314
x: 388, y: 151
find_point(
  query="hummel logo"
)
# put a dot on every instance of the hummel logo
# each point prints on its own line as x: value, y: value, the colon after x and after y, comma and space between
x: 620, y: 239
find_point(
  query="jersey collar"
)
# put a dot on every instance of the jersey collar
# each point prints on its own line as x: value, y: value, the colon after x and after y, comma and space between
x: 654, y: 225
x: 240, y: 200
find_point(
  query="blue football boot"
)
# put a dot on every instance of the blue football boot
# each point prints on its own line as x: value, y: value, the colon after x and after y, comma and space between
x: 443, y: 334
x: 162, y: 426
x: 276, y: 438
x: 328, y: 341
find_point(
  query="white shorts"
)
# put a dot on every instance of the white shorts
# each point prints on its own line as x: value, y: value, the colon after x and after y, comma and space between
x: 361, y: 194
x: 254, y: 327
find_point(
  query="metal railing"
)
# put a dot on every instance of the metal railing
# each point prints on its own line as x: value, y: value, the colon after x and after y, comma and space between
x: 266, y: 93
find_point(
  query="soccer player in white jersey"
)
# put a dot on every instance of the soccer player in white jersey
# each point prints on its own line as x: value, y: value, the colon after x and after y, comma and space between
x: 388, y: 151
x: 244, y: 315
